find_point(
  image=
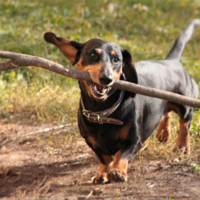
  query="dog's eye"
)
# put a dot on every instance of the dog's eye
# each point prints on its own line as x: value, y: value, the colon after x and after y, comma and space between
x: 115, y: 59
x: 93, y: 55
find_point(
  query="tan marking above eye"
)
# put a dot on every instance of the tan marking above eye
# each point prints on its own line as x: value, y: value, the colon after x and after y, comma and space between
x: 98, y: 51
x: 113, y: 53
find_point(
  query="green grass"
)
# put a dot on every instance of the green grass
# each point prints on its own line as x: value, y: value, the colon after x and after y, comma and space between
x: 39, y: 95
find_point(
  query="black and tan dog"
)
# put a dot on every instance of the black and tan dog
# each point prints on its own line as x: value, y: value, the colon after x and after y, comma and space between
x: 116, y: 123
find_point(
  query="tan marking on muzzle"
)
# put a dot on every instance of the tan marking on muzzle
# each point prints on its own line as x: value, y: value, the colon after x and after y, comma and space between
x: 117, y: 74
x: 93, y: 70
x: 94, y: 74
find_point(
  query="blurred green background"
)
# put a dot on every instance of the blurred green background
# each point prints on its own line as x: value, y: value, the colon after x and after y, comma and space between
x: 147, y: 28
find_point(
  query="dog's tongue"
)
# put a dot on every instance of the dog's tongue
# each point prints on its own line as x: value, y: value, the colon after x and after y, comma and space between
x: 99, y: 87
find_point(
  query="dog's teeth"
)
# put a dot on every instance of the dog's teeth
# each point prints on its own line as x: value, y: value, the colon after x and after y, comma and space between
x: 103, y: 90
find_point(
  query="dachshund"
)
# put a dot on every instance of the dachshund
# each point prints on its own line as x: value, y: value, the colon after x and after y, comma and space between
x: 115, y: 123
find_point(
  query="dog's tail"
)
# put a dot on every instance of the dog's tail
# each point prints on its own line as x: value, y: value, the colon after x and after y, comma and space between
x: 179, y: 45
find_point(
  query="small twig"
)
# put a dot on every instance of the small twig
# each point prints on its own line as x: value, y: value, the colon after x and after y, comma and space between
x: 82, y: 156
x: 5, y: 142
x: 143, y: 148
x: 89, y: 195
x: 46, y: 130
x: 43, y: 181
x: 183, y: 174
x: 14, y: 65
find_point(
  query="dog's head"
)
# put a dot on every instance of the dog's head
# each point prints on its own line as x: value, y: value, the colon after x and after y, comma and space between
x: 105, y: 61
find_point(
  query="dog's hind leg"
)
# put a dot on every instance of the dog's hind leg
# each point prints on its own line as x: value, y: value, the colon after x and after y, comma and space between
x: 164, y: 129
x: 185, y: 116
x: 183, y: 140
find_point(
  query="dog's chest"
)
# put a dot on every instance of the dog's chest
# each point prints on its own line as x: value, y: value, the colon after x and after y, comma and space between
x: 109, y: 138
x: 106, y: 138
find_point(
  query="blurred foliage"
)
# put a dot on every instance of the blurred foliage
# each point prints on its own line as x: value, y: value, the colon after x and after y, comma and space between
x: 195, y: 168
x: 147, y: 28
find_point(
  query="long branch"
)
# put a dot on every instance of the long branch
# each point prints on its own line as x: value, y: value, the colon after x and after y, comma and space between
x: 18, y: 60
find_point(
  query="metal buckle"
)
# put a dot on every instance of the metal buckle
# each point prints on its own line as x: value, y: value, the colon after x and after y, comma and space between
x: 89, y: 114
x: 99, y: 119
x: 97, y: 116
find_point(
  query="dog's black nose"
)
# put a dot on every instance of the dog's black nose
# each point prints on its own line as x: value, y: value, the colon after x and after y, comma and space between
x: 105, y: 79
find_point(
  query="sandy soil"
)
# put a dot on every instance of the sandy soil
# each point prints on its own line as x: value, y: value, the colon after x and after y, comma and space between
x: 48, y: 162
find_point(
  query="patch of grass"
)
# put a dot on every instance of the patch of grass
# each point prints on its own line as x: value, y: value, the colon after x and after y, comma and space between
x: 195, y: 168
x: 36, y: 102
x: 32, y: 95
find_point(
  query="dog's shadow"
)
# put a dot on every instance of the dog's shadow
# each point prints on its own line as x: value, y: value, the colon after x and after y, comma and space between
x: 44, y: 178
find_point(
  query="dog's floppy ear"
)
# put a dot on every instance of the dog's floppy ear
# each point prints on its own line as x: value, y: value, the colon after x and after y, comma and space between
x: 129, y: 68
x: 69, y: 48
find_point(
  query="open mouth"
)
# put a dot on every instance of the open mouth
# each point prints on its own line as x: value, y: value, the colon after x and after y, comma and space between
x: 98, y: 91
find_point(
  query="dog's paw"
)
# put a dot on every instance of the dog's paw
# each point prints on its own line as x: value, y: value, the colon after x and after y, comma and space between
x: 100, y: 179
x: 182, y: 149
x: 182, y: 143
x: 117, y: 171
x: 117, y: 175
x: 163, y: 135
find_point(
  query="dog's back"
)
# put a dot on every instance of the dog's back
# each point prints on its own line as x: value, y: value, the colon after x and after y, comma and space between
x: 168, y: 75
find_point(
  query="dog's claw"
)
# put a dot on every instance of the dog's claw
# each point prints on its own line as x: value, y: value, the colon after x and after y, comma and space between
x: 116, y: 176
x: 100, y: 179
x: 105, y: 182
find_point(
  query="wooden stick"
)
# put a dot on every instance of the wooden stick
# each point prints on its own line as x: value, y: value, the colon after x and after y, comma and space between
x: 18, y: 60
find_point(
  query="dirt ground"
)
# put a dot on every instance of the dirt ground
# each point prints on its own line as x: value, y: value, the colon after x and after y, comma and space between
x: 49, y: 162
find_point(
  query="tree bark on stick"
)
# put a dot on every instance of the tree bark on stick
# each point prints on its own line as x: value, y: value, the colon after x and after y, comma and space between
x: 18, y: 60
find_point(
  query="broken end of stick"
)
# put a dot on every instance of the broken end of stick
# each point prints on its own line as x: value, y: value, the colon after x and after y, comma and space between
x: 14, y: 65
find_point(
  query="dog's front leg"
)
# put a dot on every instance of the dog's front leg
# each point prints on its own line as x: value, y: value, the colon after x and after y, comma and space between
x: 102, y: 176
x: 118, y: 168
x: 117, y: 171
